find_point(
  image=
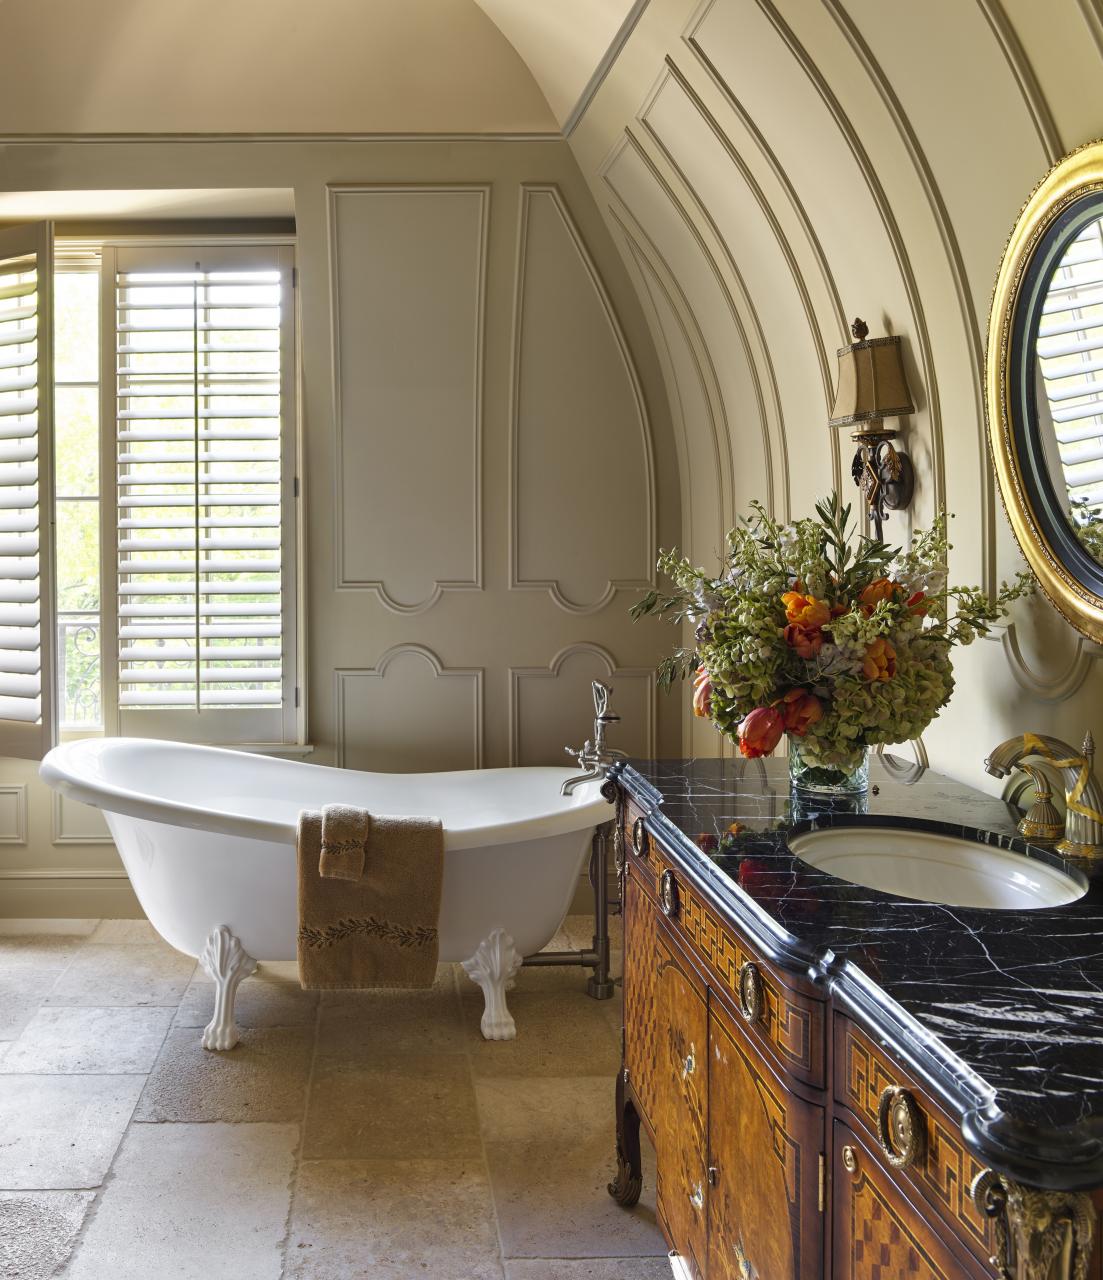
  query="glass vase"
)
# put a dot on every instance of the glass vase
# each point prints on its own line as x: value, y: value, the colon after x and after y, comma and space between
x: 848, y: 779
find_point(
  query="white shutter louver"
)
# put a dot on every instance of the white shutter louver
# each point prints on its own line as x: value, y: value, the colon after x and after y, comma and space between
x: 1070, y: 354
x: 26, y: 494
x: 199, y: 482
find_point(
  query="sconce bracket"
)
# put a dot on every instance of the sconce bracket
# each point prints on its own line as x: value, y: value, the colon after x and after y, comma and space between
x: 884, y: 474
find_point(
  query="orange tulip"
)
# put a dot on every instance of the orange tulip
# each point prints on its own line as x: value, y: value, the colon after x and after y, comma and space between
x: 880, y: 660
x: 800, y: 710
x: 760, y: 732
x: 702, y: 692
x: 879, y: 589
x: 805, y: 611
x: 806, y: 642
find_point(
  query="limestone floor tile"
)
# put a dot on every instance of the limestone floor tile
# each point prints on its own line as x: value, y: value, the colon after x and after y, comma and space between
x: 559, y: 1033
x: 81, y: 1041
x: 392, y: 1220
x: 55, y: 951
x: 517, y: 1109
x: 552, y: 1202
x: 580, y: 931
x: 124, y: 975
x: 16, y: 926
x: 588, y: 1269
x: 37, y: 1229
x: 125, y: 932
x: 263, y: 1000
x: 192, y: 1202
x: 263, y: 1078
x: 21, y: 993
x: 62, y: 1131
x: 362, y: 1025
x: 411, y: 1106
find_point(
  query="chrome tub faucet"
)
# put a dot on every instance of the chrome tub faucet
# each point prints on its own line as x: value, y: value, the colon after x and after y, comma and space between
x: 1083, y: 829
x: 594, y: 756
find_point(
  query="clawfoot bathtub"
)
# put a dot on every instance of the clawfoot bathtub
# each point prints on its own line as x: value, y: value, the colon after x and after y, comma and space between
x: 207, y: 837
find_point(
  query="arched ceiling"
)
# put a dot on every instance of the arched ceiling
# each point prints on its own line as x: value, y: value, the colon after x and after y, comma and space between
x: 264, y: 66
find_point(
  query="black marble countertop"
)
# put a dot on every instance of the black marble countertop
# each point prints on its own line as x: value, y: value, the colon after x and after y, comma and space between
x: 999, y: 1012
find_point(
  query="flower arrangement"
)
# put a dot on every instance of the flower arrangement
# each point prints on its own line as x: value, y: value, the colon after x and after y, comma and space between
x: 841, y: 643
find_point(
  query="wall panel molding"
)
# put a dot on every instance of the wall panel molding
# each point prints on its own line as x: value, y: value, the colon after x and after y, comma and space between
x: 1047, y: 686
x: 345, y: 512
x: 1033, y: 97
x: 62, y: 835
x: 636, y: 506
x: 13, y: 813
x: 602, y: 665
x: 920, y: 334
x: 448, y: 698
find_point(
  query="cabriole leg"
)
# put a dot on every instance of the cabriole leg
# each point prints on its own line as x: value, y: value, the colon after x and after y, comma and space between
x: 492, y: 967
x: 227, y: 963
x: 628, y: 1183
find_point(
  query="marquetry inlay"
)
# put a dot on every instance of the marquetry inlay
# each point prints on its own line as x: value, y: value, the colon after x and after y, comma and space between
x: 793, y: 1030
x: 948, y: 1171
x: 639, y: 997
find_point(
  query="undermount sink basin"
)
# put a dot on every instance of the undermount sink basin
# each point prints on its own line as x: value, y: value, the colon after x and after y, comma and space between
x: 932, y: 867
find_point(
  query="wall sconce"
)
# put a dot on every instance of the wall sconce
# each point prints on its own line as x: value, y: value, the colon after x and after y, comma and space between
x: 872, y: 387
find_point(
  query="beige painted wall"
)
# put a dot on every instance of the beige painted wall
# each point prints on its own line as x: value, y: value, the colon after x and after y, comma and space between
x: 488, y: 466
x: 771, y: 168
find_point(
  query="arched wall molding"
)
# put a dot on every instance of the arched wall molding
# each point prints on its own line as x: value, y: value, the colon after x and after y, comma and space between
x: 1047, y: 686
x: 378, y: 586
x: 667, y: 280
x: 517, y: 675
x: 866, y: 168
x: 650, y: 539
x: 955, y: 261
x: 820, y: 343
x: 342, y: 676
x: 1092, y: 11
x: 776, y: 476
x: 1015, y: 55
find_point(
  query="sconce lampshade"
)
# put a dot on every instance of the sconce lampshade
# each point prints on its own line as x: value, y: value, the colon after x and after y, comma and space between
x: 872, y: 384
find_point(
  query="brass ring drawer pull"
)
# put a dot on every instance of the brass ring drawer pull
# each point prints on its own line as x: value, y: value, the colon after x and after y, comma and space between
x: 668, y: 893
x: 901, y: 1129
x: 640, y: 840
x: 697, y: 1198
x: 850, y: 1159
x: 752, y: 1002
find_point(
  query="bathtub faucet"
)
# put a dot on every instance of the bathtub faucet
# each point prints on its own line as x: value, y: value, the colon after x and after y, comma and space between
x: 595, y: 757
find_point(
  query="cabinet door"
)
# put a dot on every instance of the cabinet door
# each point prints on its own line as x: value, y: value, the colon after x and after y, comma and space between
x: 765, y: 1145
x: 879, y: 1234
x: 640, y: 1011
x: 681, y: 1099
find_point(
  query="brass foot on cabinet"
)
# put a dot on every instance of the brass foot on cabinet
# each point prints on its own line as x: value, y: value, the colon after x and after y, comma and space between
x: 627, y: 1185
x: 1040, y: 1235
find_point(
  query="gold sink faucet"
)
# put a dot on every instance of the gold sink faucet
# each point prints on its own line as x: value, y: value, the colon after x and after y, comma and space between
x: 1083, y: 831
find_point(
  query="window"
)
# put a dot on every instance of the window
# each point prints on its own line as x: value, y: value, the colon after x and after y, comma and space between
x: 174, y: 494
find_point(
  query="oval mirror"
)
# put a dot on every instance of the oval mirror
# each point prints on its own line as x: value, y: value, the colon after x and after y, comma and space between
x: 1044, y: 385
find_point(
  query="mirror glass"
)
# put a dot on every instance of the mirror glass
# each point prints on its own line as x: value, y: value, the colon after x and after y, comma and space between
x: 1067, y: 346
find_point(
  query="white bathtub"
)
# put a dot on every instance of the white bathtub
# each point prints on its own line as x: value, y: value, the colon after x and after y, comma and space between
x: 207, y: 837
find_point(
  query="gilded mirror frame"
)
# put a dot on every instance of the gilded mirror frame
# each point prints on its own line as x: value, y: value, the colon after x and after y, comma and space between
x: 1072, y: 581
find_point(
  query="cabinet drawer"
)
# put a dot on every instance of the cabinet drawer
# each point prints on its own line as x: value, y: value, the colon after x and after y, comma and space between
x: 789, y: 1026
x: 943, y: 1171
x: 638, y: 847
x: 878, y: 1232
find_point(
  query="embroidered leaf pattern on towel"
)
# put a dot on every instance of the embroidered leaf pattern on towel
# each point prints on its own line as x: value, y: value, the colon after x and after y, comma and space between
x: 341, y: 846
x: 401, y: 935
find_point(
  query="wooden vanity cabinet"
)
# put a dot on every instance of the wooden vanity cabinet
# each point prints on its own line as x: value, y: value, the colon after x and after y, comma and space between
x: 763, y: 1103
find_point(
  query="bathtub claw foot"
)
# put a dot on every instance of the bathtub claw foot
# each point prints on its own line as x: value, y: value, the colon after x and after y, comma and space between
x: 492, y: 967
x: 226, y: 963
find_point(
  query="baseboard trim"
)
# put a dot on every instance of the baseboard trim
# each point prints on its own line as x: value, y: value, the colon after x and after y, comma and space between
x: 68, y: 893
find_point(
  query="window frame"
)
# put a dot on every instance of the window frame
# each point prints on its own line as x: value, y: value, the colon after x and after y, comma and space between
x: 220, y: 726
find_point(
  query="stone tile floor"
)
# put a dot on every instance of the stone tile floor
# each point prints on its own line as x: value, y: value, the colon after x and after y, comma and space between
x: 348, y: 1135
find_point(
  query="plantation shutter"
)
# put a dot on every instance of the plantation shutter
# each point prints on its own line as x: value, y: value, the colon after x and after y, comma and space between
x: 202, y: 346
x: 27, y: 701
x: 1070, y: 352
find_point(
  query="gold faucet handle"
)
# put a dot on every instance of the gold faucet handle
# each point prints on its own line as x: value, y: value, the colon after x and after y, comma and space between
x: 1041, y: 823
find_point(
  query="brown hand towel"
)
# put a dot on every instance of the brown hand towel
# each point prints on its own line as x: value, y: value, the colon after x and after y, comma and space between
x: 345, y: 832
x: 379, y: 930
